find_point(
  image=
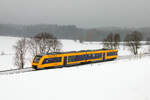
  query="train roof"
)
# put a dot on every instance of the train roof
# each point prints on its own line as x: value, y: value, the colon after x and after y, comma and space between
x: 53, y: 53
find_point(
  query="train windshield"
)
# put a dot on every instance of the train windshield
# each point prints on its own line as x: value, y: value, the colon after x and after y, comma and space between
x: 37, y: 59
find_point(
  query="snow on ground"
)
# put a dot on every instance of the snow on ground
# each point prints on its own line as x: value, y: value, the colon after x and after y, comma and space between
x: 7, y: 52
x: 126, y: 79
x: 115, y: 80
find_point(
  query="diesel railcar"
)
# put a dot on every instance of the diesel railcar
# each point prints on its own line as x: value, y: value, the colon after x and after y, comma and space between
x: 64, y: 59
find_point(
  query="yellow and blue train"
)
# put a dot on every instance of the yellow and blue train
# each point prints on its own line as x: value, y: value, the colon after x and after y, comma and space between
x: 63, y: 59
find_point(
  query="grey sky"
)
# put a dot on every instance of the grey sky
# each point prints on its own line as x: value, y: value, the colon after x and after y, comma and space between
x: 83, y: 13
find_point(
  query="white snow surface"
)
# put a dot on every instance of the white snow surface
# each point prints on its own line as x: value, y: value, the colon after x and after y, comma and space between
x: 126, y: 79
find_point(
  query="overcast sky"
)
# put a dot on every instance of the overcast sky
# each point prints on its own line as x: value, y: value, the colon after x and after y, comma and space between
x: 83, y: 13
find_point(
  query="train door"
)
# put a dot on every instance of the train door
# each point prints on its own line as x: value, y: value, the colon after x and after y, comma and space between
x: 65, y: 61
x: 104, y: 56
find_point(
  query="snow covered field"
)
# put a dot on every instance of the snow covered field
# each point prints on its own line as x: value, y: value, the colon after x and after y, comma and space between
x: 6, y: 47
x: 126, y: 79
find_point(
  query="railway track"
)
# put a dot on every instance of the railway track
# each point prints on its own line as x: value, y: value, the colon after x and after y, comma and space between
x: 132, y: 56
x: 29, y: 69
x: 15, y: 71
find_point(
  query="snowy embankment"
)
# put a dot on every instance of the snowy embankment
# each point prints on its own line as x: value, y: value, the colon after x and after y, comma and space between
x: 115, y: 80
x: 126, y: 79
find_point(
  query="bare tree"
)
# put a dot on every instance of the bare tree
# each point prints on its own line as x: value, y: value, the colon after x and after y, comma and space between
x: 111, y: 42
x: 2, y: 53
x: 133, y: 41
x: 148, y: 41
x: 33, y: 46
x: 20, y: 51
x: 55, y: 45
x: 105, y: 44
x: 148, y: 44
x: 116, y: 40
x: 43, y: 43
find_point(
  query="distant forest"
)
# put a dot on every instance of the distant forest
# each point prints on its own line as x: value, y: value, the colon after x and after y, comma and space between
x: 69, y: 31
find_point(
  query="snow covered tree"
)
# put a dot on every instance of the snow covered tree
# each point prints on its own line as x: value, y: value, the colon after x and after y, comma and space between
x: 20, y: 51
x: 112, y: 41
x: 43, y: 43
x: 133, y: 41
x: 108, y: 41
x: 148, y: 41
x: 116, y: 40
x: 148, y: 44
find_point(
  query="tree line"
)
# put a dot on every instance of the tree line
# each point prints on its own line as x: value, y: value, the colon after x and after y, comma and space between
x: 44, y: 42
x: 68, y: 31
x: 132, y: 41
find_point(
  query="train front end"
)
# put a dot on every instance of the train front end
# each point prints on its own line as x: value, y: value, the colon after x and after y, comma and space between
x: 36, y: 61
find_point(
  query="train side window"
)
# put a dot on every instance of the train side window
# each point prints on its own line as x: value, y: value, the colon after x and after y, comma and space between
x: 52, y: 60
x: 89, y: 56
x: 100, y: 55
x: 71, y: 58
x: 107, y: 53
x: 82, y: 57
x: 97, y: 55
x: 59, y: 59
x: 115, y: 53
x: 93, y: 55
x: 111, y: 53
x: 74, y: 58
x: 79, y: 57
